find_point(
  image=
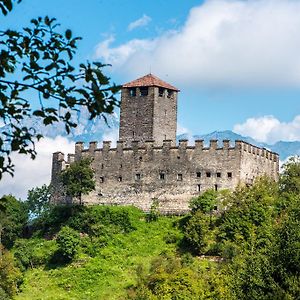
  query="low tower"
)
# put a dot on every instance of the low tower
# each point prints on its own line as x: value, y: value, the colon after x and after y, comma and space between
x: 148, y: 111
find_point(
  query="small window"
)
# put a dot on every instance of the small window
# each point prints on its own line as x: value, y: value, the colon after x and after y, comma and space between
x: 219, y: 175
x: 198, y: 187
x: 140, y: 158
x: 102, y: 166
x: 208, y: 174
x: 179, y: 177
x: 198, y: 174
x: 121, y: 166
x: 161, y: 92
x: 215, y: 207
x: 216, y: 187
x: 144, y: 91
x: 229, y: 175
x: 162, y: 176
x: 101, y: 179
x: 137, y: 176
x: 132, y: 92
x: 178, y: 157
x: 170, y: 93
x: 120, y: 178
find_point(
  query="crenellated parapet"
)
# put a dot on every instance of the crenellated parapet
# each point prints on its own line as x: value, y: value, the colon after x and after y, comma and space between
x: 183, y: 145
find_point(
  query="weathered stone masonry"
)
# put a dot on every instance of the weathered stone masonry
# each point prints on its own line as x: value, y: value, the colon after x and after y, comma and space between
x: 153, y: 167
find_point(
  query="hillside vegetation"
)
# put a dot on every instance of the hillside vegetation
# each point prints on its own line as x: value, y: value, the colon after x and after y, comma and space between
x: 232, y: 245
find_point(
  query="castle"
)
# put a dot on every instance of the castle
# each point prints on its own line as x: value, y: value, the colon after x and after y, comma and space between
x: 147, y: 165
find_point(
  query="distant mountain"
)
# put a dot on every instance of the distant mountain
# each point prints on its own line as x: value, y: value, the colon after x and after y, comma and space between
x: 284, y: 149
x: 97, y: 130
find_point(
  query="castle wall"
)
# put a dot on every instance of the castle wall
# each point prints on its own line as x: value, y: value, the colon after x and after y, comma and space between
x: 258, y: 162
x: 142, y: 173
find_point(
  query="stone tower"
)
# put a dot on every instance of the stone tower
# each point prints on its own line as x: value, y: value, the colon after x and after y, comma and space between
x: 148, y: 111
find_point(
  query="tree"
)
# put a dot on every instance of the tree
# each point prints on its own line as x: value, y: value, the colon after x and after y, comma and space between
x: 68, y: 240
x: 13, y: 219
x: 78, y: 179
x: 38, y: 60
x: 38, y: 200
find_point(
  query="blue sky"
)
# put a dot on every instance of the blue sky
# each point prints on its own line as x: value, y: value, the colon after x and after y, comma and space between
x: 206, y: 103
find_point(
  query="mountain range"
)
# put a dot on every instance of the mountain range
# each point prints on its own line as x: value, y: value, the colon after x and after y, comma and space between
x: 99, y: 130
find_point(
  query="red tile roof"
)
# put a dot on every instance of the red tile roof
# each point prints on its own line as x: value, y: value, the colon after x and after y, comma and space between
x: 150, y: 80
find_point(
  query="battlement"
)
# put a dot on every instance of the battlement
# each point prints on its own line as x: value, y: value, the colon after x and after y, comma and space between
x: 183, y: 145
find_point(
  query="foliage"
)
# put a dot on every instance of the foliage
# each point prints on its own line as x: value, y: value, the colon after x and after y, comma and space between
x: 37, y: 61
x: 154, y: 213
x: 290, y: 176
x: 7, y: 5
x: 13, y: 219
x: 205, y: 202
x: 10, y: 276
x: 38, y: 200
x: 197, y: 231
x: 34, y: 252
x: 68, y: 240
x: 78, y: 179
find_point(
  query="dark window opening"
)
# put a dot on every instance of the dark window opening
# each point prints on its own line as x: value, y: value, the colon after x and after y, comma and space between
x: 102, y: 166
x: 144, y: 91
x: 100, y: 194
x: 178, y: 157
x: 140, y: 158
x: 198, y: 174
x: 137, y: 176
x: 132, y: 92
x: 216, y: 187
x: 133, y: 134
x: 208, y: 174
x: 179, y: 177
x: 101, y: 179
x: 170, y: 93
x: 161, y: 92
x: 120, y: 178
x: 215, y: 207
x: 219, y: 175
x: 121, y: 166
x: 199, y: 187
x: 229, y: 175
x: 162, y: 176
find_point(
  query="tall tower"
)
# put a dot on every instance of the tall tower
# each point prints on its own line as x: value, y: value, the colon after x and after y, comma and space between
x: 148, y: 110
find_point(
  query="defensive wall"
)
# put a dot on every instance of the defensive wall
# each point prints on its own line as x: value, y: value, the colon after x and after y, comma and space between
x: 139, y: 174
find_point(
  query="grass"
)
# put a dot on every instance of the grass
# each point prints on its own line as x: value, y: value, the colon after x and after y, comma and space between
x: 110, y: 271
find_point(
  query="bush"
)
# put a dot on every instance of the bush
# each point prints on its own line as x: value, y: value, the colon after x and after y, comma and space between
x: 68, y: 240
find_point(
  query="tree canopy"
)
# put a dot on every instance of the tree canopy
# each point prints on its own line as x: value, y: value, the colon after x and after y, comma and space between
x: 36, y: 63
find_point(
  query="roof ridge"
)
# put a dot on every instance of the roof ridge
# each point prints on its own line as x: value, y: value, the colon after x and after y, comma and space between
x: 150, y: 80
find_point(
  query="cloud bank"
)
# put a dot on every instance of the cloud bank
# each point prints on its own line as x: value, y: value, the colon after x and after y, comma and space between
x: 270, y: 130
x: 222, y: 43
x: 31, y: 173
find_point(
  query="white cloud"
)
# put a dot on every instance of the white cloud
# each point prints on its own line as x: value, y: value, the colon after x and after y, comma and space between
x: 222, y: 43
x: 269, y: 129
x: 31, y: 173
x: 141, y: 22
x: 111, y: 135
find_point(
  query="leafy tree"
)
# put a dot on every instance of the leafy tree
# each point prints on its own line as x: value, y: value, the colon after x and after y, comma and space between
x: 68, y: 240
x: 10, y: 276
x: 38, y: 200
x: 205, y: 202
x: 78, y: 179
x: 290, y: 176
x: 13, y: 219
x: 37, y: 60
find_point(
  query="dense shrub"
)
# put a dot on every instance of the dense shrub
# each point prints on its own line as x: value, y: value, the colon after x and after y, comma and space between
x: 68, y: 240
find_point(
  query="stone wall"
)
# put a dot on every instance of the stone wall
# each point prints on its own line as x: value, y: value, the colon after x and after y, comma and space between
x: 148, y: 117
x: 171, y: 174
